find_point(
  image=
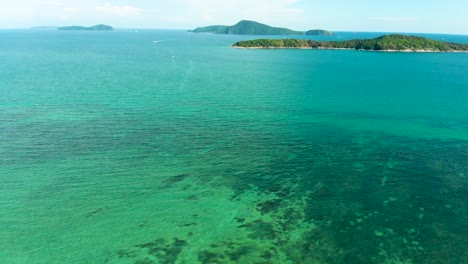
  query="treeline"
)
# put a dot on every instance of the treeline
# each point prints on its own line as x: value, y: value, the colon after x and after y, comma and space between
x: 96, y: 27
x: 273, y: 43
x: 387, y: 42
x: 247, y: 27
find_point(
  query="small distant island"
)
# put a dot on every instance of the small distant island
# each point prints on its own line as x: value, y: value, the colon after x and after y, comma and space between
x: 96, y: 27
x: 247, y: 27
x: 44, y: 27
x: 319, y: 32
x: 393, y: 42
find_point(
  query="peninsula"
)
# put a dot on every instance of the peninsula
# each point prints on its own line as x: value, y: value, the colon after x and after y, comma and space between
x: 96, y: 27
x: 393, y: 42
x: 247, y: 27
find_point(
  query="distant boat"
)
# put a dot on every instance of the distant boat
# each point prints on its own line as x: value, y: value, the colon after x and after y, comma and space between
x: 155, y: 41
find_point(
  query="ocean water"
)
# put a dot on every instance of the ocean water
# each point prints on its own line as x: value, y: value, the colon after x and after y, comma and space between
x: 157, y: 146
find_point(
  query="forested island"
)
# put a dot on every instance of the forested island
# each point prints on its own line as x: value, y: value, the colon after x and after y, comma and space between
x: 393, y: 42
x: 319, y: 32
x: 96, y: 27
x: 44, y: 27
x: 247, y: 27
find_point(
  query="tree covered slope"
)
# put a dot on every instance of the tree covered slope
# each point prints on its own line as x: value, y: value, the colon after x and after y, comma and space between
x: 247, y: 27
x: 96, y: 27
x: 391, y: 42
x: 319, y: 32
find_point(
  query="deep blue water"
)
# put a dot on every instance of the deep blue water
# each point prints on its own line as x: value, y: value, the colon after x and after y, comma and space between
x: 156, y: 146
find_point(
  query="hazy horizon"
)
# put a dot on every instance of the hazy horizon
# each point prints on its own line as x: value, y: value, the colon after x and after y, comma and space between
x: 398, y: 16
x: 187, y: 29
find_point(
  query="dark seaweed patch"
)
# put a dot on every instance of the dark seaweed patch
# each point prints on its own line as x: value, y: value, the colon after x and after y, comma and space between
x: 94, y: 212
x: 269, y: 206
x: 235, y: 251
x: 160, y: 249
x: 347, y: 199
x: 126, y: 253
x: 385, y: 199
x: 260, y: 230
x: 145, y: 261
x: 175, y: 179
x: 189, y: 224
x: 208, y: 257
x: 240, y: 219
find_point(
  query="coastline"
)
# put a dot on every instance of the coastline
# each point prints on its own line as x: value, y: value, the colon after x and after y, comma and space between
x: 321, y: 48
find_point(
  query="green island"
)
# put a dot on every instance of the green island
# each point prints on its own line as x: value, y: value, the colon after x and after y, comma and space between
x: 247, y: 27
x: 96, y: 27
x: 43, y: 27
x: 393, y: 42
x: 319, y: 32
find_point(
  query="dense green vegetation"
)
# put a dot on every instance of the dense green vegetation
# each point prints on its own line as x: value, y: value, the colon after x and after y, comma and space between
x: 246, y: 27
x: 319, y: 32
x: 96, y: 27
x: 217, y: 29
x: 388, y: 42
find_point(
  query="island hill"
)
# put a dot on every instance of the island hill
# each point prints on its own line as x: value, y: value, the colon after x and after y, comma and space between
x: 393, y: 42
x: 100, y: 27
x: 247, y: 27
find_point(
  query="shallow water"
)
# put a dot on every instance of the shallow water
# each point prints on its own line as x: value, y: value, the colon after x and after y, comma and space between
x: 118, y: 149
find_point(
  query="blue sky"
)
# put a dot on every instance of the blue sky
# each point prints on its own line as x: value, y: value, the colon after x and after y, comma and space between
x: 429, y: 16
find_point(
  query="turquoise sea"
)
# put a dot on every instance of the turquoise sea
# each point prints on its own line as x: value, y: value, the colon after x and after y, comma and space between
x: 153, y: 146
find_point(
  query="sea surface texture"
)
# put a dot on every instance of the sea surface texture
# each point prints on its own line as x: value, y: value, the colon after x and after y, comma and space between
x: 171, y: 147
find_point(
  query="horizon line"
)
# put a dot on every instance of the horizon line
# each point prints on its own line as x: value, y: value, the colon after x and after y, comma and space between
x: 186, y: 29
